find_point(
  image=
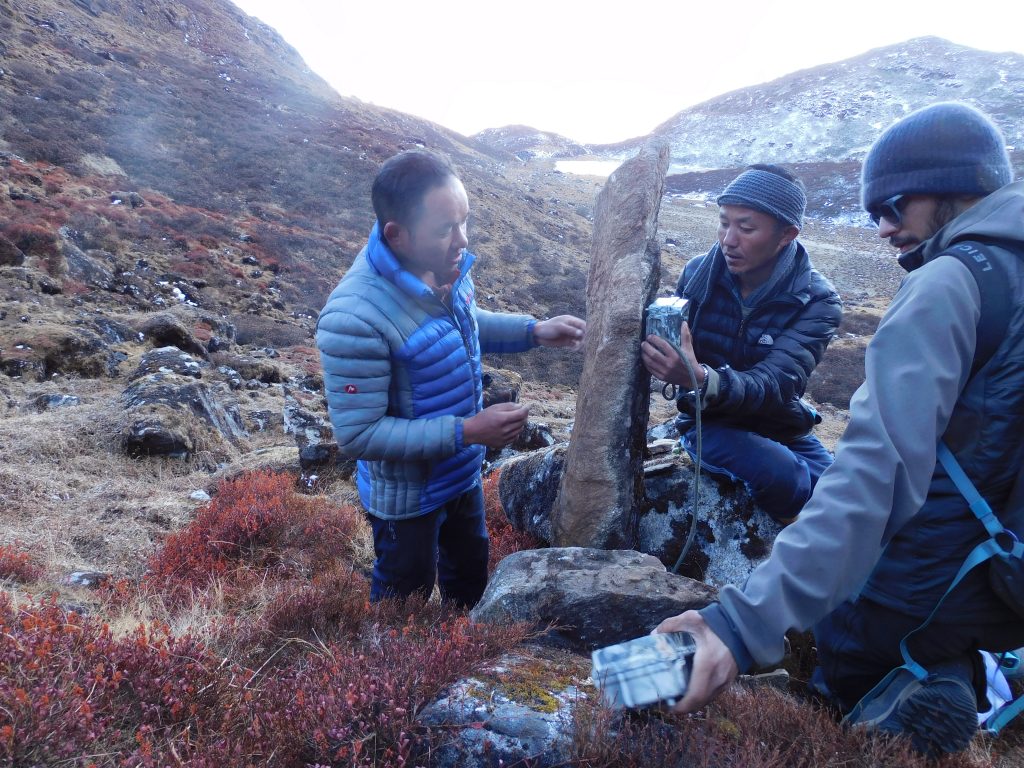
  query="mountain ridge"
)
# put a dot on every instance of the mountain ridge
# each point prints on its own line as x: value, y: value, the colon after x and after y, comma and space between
x: 830, y: 112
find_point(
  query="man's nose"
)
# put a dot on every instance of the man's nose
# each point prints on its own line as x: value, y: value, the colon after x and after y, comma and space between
x: 461, y: 239
x: 886, y: 228
x: 729, y: 236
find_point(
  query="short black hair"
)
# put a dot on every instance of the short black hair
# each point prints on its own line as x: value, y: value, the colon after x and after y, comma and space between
x: 402, y: 183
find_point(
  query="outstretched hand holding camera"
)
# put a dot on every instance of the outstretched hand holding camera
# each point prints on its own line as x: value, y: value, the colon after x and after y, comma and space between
x: 664, y: 362
x: 714, y: 667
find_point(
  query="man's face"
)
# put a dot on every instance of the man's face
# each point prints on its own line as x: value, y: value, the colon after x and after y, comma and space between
x: 431, y: 247
x: 751, y: 242
x: 914, y: 220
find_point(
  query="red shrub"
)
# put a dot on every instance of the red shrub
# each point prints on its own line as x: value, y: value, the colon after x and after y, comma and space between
x: 504, y: 538
x: 18, y: 565
x: 70, y: 689
x: 32, y: 238
x: 256, y: 525
x: 331, y: 605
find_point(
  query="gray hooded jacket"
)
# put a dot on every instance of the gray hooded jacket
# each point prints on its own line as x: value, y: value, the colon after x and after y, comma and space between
x: 916, y: 391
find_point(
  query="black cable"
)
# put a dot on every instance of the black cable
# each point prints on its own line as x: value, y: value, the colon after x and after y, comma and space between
x: 698, y: 407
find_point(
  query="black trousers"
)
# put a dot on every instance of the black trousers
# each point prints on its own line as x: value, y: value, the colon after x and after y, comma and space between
x: 448, y: 545
x: 859, y: 644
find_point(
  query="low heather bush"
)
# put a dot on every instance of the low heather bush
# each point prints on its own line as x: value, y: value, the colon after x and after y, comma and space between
x: 72, y: 693
x: 19, y: 565
x: 256, y: 526
x: 760, y: 728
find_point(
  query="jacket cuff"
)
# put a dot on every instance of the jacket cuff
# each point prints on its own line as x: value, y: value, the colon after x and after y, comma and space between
x: 711, y: 385
x: 458, y: 434
x: 529, y: 333
x: 722, y: 626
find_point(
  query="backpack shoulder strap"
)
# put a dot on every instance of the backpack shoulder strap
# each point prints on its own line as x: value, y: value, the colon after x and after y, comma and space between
x: 996, y: 295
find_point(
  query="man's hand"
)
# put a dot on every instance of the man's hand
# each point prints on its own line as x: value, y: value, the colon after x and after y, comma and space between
x: 713, y: 664
x: 664, y: 362
x: 562, y: 331
x: 495, y: 426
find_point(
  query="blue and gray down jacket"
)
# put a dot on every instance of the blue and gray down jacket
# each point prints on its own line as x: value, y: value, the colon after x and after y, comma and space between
x: 401, y: 373
x: 762, y: 360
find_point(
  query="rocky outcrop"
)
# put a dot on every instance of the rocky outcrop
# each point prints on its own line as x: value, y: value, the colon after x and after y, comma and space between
x: 518, y: 711
x: 169, y: 360
x: 88, y: 268
x: 590, y: 597
x: 314, y: 436
x: 528, y: 487
x: 10, y: 254
x: 601, y: 492
x: 500, y: 386
x: 168, y: 412
x: 166, y: 329
x: 38, y: 351
x: 731, y: 536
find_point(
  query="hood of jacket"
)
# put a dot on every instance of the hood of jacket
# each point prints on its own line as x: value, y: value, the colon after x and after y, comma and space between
x: 999, y: 216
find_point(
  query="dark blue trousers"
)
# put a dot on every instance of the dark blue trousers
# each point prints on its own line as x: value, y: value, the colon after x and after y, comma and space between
x: 448, y: 545
x: 779, y: 476
x: 859, y: 644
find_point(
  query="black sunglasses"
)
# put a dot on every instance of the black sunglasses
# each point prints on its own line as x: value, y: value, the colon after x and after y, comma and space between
x: 891, y: 210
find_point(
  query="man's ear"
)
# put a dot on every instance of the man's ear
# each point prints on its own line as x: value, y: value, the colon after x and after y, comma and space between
x: 789, y: 234
x: 395, y: 234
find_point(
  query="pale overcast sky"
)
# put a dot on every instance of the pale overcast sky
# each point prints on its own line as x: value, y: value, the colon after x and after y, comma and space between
x: 598, y: 72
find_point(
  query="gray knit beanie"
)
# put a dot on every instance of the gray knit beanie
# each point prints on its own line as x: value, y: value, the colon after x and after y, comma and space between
x: 769, y: 193
x: 945, y: 149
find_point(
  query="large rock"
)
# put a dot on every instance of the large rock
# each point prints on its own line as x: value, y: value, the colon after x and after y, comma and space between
x: 598, y: 502
x: 592, y: 597
x: 87, y: 268
x: 731, y: 538
x: 516, y: 711
x: 10, y: 254
x: 41, y: 350
x: 167, y: 414
x: 314, y: 437
x: 169, y: 360
x: 528, y: 487
x: 500, y: 386
x: 169, y: 330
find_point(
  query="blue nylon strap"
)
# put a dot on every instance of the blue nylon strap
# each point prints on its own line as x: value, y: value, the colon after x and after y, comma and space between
x: 853, y: 716
x: 1004, y: 715
x: 987, y: 549
x: 978, y: 505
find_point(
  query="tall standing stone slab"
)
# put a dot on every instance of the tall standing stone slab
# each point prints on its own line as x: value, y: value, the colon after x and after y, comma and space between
x: 602, y: 487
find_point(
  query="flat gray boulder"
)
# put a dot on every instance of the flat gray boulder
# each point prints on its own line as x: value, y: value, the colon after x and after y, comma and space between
x: 590, y: 597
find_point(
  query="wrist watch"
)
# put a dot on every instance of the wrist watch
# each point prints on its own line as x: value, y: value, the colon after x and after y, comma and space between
x: 707, y: 378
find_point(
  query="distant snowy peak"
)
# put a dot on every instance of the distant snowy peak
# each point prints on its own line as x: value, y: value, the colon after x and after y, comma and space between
x: 828, y: 114
x: 832, y: 113
x: 528, y: 143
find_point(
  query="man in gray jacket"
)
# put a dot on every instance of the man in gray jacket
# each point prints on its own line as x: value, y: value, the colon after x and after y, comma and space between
x: 400, y: 340
x: 886, y: 531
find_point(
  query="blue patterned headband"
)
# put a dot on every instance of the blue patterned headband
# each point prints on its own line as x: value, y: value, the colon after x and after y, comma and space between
x: 769, y: 193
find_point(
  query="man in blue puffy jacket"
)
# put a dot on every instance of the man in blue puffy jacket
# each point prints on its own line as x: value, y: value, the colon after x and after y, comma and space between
x: 760, y: 317
x: 400, y: 340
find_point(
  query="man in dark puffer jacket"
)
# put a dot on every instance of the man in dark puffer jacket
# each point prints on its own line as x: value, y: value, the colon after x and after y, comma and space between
x: 759, y: 319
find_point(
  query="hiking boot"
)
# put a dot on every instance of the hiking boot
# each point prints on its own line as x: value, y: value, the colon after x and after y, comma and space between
x: 939, y: 713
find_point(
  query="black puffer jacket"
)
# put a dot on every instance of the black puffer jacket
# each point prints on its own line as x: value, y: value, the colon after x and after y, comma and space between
x: 764, y: 360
